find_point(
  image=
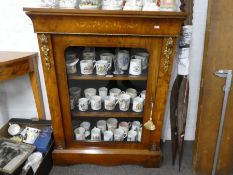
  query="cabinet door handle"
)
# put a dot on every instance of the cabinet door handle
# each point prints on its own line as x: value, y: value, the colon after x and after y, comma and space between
x: 149, y: 125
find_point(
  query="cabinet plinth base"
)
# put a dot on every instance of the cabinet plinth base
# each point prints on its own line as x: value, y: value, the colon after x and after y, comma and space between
x: 107, y: 157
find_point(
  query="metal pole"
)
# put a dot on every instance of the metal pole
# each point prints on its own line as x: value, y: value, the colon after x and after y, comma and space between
x: 228, y: 75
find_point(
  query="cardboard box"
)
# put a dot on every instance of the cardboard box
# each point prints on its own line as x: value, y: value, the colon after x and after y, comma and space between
x: 46, y: 164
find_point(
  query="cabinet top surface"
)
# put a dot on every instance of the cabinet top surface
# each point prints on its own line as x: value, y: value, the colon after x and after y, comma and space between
x: 10, y: 57
x: 117, y: 13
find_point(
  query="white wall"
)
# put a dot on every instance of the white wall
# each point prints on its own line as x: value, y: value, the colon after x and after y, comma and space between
x: 16, y: 34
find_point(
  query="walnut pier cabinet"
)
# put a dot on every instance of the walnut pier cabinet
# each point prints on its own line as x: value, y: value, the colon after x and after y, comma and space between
x: 63, y: 31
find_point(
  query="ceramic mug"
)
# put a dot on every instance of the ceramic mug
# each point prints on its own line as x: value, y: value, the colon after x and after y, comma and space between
x: 89, y: 92
x: 103, y: 92
x: 132, y: 136
x: 71, y: 66
x: 138, y: 104
x: 132, y: 92
x: 102, y: 125
x: 79, y: 133
x: 108, y: 136
x: 112, y: 123
x: 119, y: 134
x: 96, y: 102
x: 76, y: 93
x: 136, y: 125
x: 124, y: 102
x: 144, y: 56
x: 86, y: 125
x: 14, y: 129
x: 122, y: 57
x: 83, y: 104
x: 102, y: 67
x: 110, y: 103
x: 135, y: 67
x: 95, y: 134
x: 115, y: 92
x: 108, y: 57
x: 125, y: 126
x: 86, y: 67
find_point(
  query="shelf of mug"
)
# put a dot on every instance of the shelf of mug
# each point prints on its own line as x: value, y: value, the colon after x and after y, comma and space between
x: 79, y: 76
x: 105, y: 113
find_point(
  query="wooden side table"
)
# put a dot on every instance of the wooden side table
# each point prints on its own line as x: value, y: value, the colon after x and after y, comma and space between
x: 13, y: 64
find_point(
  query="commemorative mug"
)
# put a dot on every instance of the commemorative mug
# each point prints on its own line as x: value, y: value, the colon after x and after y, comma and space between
x: 125, y: 126
x: 112, y: 123
x: 89, y: 92
x: 124, y: 102
x: 132, y: 92
x: 76, y: 93
x: 135, y: 67
x: 103, y: 92
x: 138, y: 104
x: 83, y: 104
x: 144, y: 56
x: 136, y: 125
x: 122, y: 57
x: 79, y: 133
x: 71, y: 66
x: 109, y: 103
x: 95, y: 134
x: 86, y: 125
x: 115, y: 92
x: 132, y: 136
x: 108, y: 135
x: 86, y: 67
x: 119, y: 134
x: 102, y: 125
x: 96, y: 102
x: 102, y: 67
x: 108, y: 57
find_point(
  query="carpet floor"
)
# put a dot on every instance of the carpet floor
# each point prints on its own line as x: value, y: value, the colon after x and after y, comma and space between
x: 166, y: 168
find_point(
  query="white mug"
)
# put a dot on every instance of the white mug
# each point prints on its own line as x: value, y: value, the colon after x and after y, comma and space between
x: 102, y: 125
x: 132, y: 92
x: 95, y: 134
x: 110, y: 103
x: 71, y: 66
x: 112, y: 123
x: 33, y: 161
x: 103, y: 92
x: 86, y: 125
x: 135, y: 67
x: 14, y: 129
x: 125, y: 126
x: 144, y: 56
x: 136, y: 125
x: 115, y: 92
x: 132, y: 136
x: 139, y: 137
x: 107, y: 56
x: 96, y: 102
x: 123, y: 57
x: 138, y: 104
x: 108, y: 136
x: 79, y: 133
x: 86, y: 67
x: 102, y: 67
x: 119, y: 134
x: 83, y: 104
x: 89, y: 92
x: 124, y: 102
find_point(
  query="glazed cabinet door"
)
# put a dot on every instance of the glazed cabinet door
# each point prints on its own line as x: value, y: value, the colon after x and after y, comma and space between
x: 108, y: 88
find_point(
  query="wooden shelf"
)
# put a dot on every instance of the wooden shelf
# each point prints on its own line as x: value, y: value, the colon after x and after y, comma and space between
x: 79, y: 76
x: 106, y: 114
x: 114, y: 77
